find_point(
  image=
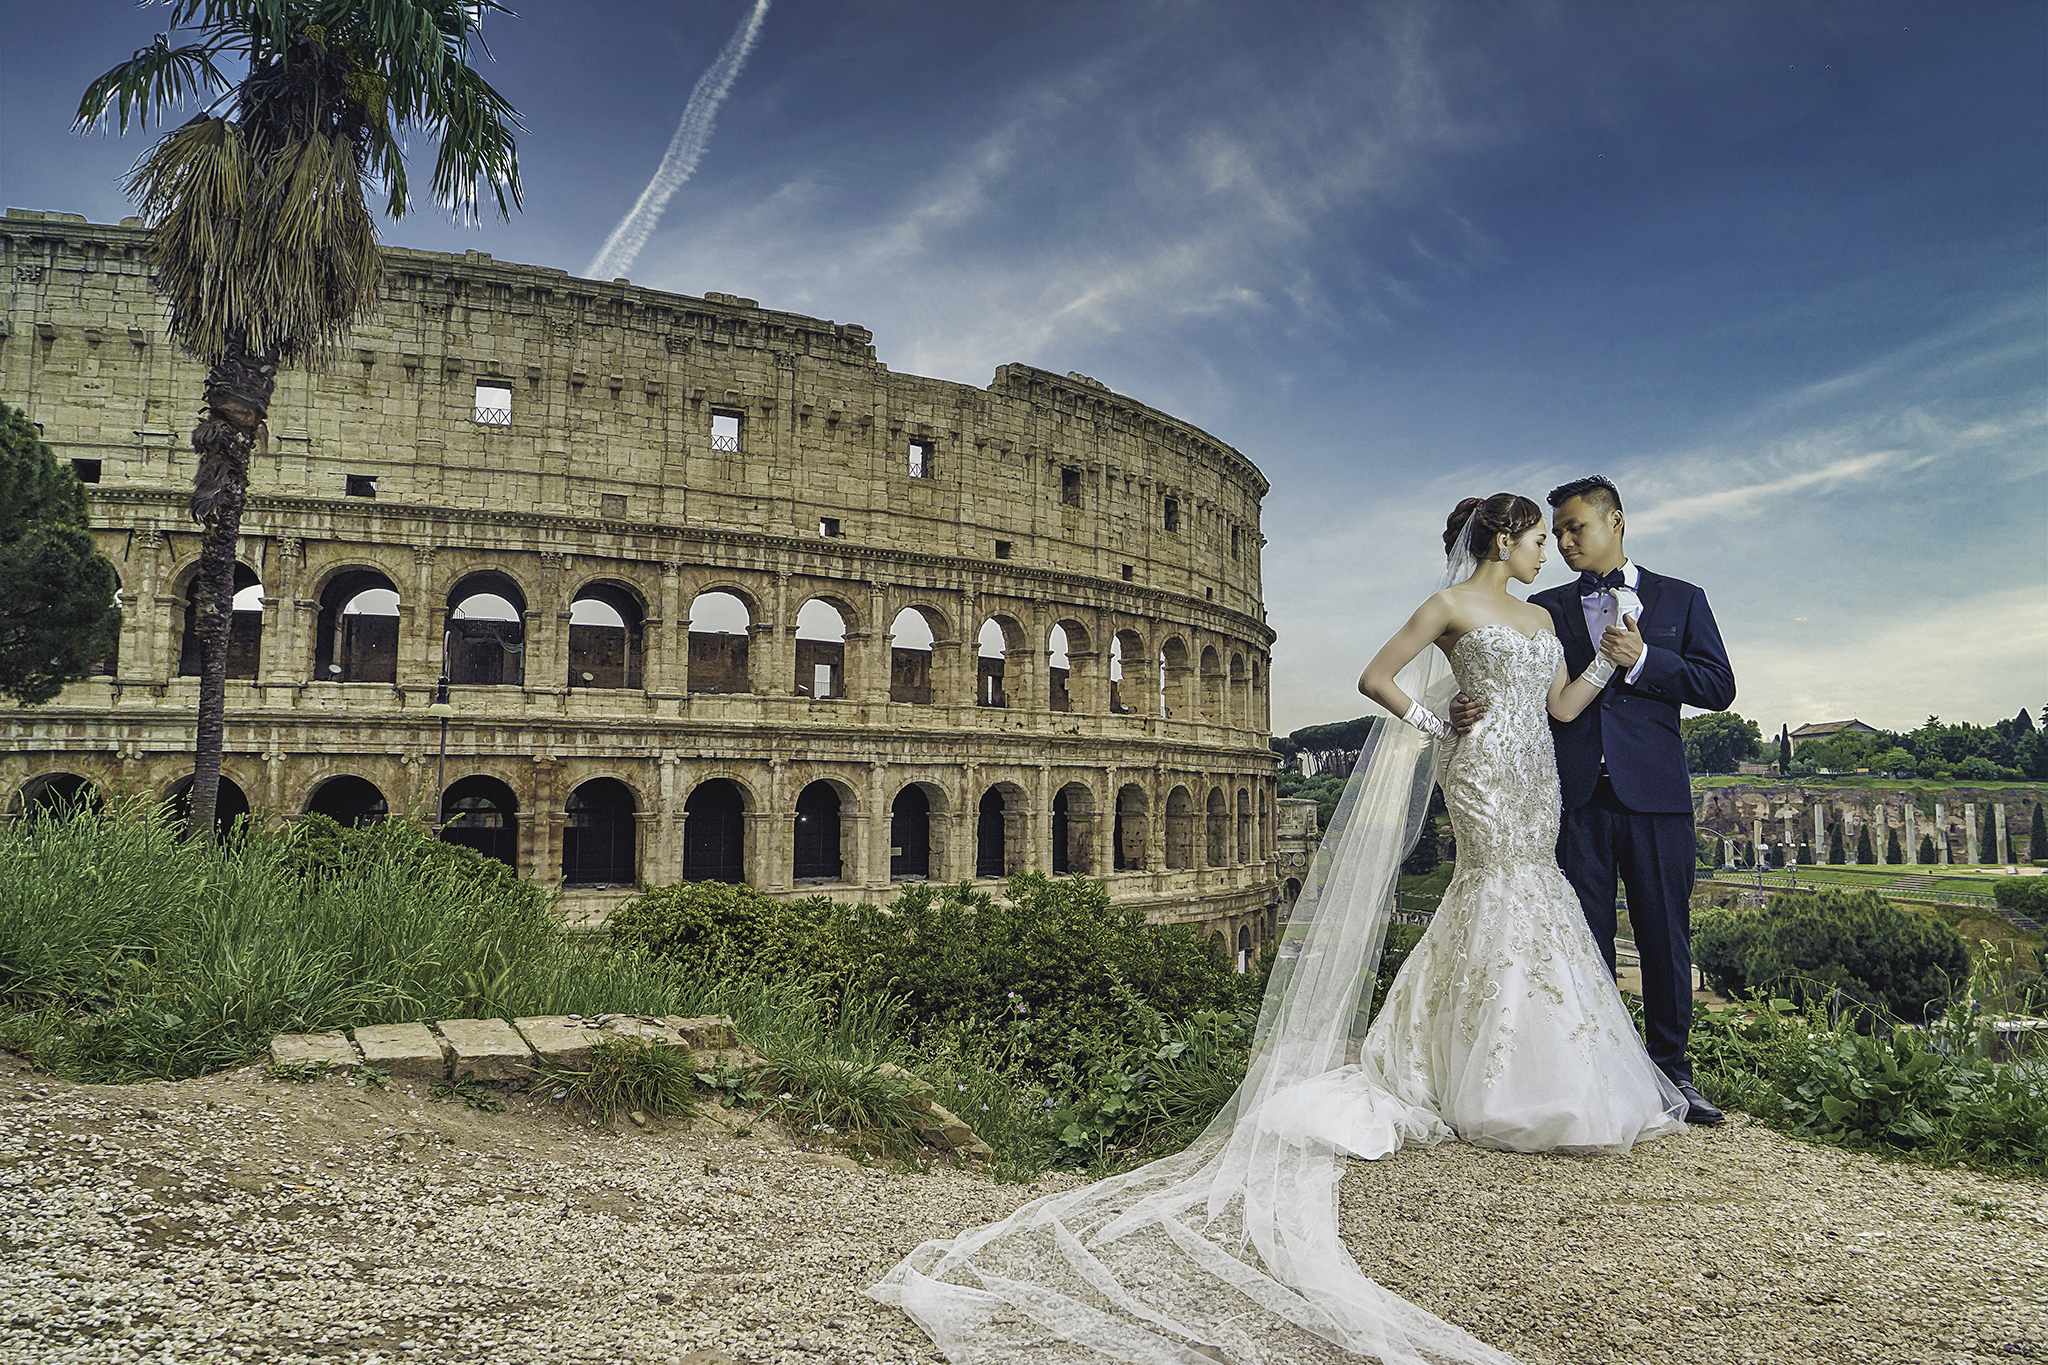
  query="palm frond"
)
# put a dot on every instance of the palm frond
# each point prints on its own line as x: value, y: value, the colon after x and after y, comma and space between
x: 156, y: 80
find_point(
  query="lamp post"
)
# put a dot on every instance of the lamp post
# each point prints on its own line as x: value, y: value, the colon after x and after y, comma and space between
x: 442, y: 709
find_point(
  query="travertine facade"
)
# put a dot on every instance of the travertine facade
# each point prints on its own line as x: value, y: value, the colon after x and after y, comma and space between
x: 529, y: 482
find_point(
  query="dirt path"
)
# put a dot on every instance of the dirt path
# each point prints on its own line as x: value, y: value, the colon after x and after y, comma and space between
x: 239, y: 1218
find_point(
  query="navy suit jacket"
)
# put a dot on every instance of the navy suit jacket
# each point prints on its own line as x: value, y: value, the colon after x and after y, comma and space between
x: 1635, y: 725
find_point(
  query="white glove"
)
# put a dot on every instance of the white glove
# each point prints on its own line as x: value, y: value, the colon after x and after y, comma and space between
x: 1429, y: 722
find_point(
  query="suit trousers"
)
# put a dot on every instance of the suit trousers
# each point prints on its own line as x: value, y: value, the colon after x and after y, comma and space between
x: 1653, y: 854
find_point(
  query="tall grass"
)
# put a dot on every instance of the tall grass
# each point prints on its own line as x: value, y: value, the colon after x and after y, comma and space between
x: 129, y: 952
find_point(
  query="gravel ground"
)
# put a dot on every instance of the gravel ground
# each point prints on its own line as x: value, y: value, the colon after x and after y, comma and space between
x: 238, y: 1218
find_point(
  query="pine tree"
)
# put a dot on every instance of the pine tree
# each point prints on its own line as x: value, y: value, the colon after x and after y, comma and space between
x: 1987, y: 836
x: 1835, y: 855
x: 2037, y: 834
x: 58, y: 619
x: 1927, y: 850
x: 1865, y: 854
x: 1893, y: 854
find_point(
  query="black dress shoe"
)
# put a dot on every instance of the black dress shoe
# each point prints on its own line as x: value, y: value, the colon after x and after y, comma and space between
x: 1697, y: 1110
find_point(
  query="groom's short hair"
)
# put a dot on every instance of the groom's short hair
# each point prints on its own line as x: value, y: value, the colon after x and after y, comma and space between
x: 1597, y: 489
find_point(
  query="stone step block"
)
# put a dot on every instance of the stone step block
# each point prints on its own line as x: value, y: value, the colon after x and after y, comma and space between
x: 707, y: 1033
x: 641, y: 1027
x: 558, y: 1041
x: 404, y: 1050
x: 324, y: 1050
x: 488, y: 1049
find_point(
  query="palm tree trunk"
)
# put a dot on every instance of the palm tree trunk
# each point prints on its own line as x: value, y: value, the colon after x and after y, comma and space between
x: 238, y: 391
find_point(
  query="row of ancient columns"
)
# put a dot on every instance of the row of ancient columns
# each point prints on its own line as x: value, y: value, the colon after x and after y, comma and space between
x: 1910, y: 831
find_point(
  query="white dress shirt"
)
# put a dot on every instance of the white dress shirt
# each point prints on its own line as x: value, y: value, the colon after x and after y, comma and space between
x: 1604, y: 609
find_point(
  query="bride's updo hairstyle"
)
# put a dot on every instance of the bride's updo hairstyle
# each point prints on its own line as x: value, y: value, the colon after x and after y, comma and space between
x: 1479, y: 520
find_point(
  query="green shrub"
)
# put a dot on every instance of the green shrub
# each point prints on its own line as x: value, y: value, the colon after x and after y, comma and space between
x: 1834, y: 944
x: 2028, y: 895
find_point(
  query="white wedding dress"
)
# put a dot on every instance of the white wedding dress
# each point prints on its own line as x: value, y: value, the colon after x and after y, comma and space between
x: 1503, y: 1028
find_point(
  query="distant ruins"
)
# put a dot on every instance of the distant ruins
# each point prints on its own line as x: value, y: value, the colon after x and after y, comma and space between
x: 717, y: 594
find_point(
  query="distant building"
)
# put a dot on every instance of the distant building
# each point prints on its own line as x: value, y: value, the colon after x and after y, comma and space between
x: 1828, y: 729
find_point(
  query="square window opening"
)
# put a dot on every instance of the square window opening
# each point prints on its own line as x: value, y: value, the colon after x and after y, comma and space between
x: 362, y: 485
x: 1127, y: 573
x: 1173, y: 514
x: 86, y: 471
x: 1233, y: 542
x: 612, y: 505
x: 493, y: 403
x: 1211, y: 592
x: 828, y: 526
x: 920, y: 460
x: 725, y: 430
x: 1070, y: 487
x: 1002, y: 549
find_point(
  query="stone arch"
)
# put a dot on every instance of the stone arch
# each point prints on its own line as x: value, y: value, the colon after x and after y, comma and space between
x: 1074, y: 822
x: 1175, y: 670
x: 230, y: 803
x: 1213, y: 709
x: 1131, y: 829
x: 482, y: 812
x: 607, y: 635
x: 484, y: 640
x: 600, y: 846
x: 56, y: 793
x: 1070, y: 666
x: 1244, y: 948
x: 822, y: 625
x: 718, y: 653
x: 1216, y: 810
x: 999, y: 831
x: 1239, y: 711
x: 824, y: 811
x: 1245, y: 850
x: 716, y: 830
x: 245, y: 623
x: 999, y: 637
x: 1290, y: 892
x: 1127, y: 671
x: 348, y: 800
x: 914, y: 632
x: 355, y: 635
x: 1180, y: 829
x: 918, y: 819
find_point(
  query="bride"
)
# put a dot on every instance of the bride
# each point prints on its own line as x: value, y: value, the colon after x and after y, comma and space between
x: 1503, y: 1028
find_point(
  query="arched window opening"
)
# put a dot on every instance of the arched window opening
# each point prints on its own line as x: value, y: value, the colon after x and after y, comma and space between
x: 910, y: 657
x: 715, y: 833
x: 1290, y: 892
x: 993, y: 647
x: 230, y: 803
x: 1239, y: 711
x: 1244, y: 948
x: 1212, y: 687
x: 1073, y: 830
x: 1116, y: 675
x: 1132, y: 827
x: 1174, y: 668
x: 597, y: 836
x: 719, y: 626
x: 817, y: 834
x: 245, y: 627
x: 356, y: 638
x: 1061, y: 864
x: 485, y: 641
x: 1059, y: 667
x: 992, y: 835
x: 57, y: 796
x: 1180, y: 829
x: 1218, y: 826
x: 910, y: 835
x: 350, y: 801
x: 482, y: 813
x: 605, y: 638
x: 820, y: 651
x: 1244, y: 825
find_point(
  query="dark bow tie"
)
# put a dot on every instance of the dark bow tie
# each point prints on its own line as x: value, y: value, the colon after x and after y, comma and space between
x: 1591, y: 583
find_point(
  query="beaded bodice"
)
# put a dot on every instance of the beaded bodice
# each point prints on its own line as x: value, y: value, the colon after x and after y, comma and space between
x: 1500, y: 784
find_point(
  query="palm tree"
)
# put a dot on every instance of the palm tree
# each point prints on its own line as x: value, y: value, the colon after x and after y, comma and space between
x: 265, y: 246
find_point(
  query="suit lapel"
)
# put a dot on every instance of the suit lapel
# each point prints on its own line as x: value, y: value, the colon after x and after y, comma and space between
x: 1648, y: 586
x: 1574, y: 622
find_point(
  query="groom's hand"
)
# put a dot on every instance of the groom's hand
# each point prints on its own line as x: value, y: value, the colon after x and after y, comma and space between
x: 1466, y: 713
x: 1623, y: 643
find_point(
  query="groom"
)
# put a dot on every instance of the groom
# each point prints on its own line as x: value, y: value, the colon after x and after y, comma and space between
x: 1621, y: 764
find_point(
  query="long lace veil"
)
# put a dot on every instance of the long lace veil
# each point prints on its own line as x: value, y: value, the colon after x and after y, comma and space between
x: 1229, y: 1250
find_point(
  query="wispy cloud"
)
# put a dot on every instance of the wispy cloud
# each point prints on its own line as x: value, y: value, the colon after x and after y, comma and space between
x: 692, y: 135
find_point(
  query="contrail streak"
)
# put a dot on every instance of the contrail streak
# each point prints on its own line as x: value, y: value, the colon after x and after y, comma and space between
x: 616, y: 256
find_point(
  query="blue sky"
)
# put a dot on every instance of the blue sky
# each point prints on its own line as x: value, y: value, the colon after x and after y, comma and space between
x: 1779, y: 269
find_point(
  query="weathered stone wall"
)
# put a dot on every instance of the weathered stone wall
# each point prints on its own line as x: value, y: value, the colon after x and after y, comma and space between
x: 1788, y: 813
x: 601, y: 464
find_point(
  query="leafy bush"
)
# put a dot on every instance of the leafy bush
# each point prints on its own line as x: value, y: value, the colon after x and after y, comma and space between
x: 1831, y: 945
x: 2028, y: 895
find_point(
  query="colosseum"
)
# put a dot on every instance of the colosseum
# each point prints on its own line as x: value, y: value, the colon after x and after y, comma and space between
x: 715, y: 594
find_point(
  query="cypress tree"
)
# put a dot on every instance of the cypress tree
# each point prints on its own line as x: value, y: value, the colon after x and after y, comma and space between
x: 1777, y: 855
x: 1865, y: 854
x: 1835, y: 855
x: 2037, y: 834
x: 1893, y: 854
x: 1987, y: 836
x: 1927, y: 850
x: 1805, y: 854
x: 1784, y: 750
x: 1720, y: 851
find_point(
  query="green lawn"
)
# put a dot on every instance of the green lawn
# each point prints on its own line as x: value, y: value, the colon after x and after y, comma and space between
x: 2036, y: 790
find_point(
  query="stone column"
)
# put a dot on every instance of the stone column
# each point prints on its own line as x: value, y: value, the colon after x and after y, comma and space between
x: 867, y: 680
x: 547, y: 631
x: 875, y: 871
x: 1756, y: 841
x: 952, y: 675
x: 1820, y: 833
x: 1024, y: 678
x: 141, y: 618
x: 667, y: 643
x: 663, y: 860
x: 1941, y: 833
x: 1085, y: 685
x: 775, y: 837
x: 422, y: 618
x: 1970, y: 850
x: 544, y: 817
x: 775, y: 674
x: 1909, y: 834
x: 285, y: 655
x: 2004, y: 850
x: 960, y: 865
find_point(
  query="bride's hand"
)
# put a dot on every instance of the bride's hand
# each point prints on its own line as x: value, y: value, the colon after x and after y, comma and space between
x: 1466, y: 713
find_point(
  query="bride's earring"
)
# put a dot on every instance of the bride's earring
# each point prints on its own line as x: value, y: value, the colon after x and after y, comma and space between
x: 1506, y: 551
